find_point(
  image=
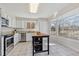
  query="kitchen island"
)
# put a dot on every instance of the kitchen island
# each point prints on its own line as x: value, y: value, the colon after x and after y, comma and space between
x: 37, y: 42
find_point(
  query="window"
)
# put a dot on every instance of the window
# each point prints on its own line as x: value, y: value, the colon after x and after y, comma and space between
x: 30, y: 25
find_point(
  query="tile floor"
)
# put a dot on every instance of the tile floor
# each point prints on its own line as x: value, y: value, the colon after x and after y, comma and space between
x: 56, y: 49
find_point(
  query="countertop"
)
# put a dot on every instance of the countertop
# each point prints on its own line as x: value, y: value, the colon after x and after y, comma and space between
x: 40, y: 34
x: 23, y: 30
x: 6, y: 31
x: 9, y: 30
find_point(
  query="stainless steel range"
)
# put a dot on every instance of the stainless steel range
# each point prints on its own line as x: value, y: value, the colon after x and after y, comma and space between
x: 8, y: 43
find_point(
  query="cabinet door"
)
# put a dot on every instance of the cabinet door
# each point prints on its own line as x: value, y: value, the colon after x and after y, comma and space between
x: 16, y: 38
x: 19, y: 24
x: 28, y: 36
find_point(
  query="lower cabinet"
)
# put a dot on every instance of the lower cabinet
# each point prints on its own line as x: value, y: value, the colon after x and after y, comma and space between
x: 22, y: 37
x: 17, y: 38
x: 28, y: 36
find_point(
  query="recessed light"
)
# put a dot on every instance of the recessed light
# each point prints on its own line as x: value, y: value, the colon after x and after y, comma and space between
x: 33, y: 7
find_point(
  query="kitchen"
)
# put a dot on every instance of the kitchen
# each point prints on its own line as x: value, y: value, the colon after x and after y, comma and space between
x: 19, y: 34
x: 18, y: 29
x: 19, y: 22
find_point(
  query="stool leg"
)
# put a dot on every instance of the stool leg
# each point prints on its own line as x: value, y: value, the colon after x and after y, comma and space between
x: 33, y: 46
x: 48, y: 45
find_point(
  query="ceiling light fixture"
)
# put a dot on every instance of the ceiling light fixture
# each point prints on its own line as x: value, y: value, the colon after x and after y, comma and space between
x: 33, y: 7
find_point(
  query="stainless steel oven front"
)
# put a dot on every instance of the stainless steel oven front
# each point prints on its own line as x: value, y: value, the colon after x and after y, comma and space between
x: 9, y: 43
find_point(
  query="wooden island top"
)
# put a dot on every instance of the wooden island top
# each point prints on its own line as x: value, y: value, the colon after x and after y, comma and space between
x: 39, y: 34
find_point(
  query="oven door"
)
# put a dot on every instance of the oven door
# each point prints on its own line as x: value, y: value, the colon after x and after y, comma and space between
x: 9, y: 44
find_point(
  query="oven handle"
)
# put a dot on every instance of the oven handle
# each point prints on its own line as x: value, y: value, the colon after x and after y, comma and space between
x: 9, y: 38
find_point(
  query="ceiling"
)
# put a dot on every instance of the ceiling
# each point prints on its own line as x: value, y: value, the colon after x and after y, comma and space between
x: 44, y: 10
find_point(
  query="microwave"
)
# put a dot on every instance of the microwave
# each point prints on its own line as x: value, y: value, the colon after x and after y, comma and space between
x: 5, y: 22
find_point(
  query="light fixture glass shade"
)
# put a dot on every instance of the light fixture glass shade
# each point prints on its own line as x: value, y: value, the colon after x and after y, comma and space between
x: 34, y: 7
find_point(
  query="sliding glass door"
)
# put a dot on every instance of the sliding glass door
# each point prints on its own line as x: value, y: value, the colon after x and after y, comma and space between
x: 67, y: 27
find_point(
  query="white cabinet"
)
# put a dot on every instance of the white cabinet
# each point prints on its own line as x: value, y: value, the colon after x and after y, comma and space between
x: 12, y: 21
x: 18, y: 24
x: 3, y: 12
x: 28, y: 36
x: 17, y: 38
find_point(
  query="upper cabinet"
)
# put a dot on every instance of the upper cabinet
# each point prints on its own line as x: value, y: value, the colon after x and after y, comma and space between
x: 7, y: 19
x: 3, y: 18
x: 12, y: 21
x: 28, y: 25
x: 19, y: 23
x: 4, y: 22
x: 4, y: 13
